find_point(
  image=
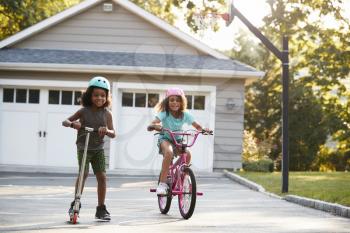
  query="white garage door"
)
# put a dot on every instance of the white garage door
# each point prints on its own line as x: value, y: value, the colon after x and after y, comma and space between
x: 136, y: 148
x: 31, y: 131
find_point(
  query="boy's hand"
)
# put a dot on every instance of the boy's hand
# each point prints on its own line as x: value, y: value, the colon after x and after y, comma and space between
x: 102, y: 131
x: 75, y: 125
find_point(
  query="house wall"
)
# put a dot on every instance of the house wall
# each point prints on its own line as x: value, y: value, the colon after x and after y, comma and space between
x: 117, y: 31
x: 228, y: 123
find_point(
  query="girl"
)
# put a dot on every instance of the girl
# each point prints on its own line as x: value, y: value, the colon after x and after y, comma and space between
x: 172, y: 115
x: 94, y: 114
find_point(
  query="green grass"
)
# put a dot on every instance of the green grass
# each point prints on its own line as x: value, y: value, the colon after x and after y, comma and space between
x: 332, y: 187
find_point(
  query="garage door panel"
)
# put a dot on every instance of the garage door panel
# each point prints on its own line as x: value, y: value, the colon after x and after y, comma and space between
x: 60, y: 142
x: 137, y: 146
x: 19, y: 137
x: 199, y: 149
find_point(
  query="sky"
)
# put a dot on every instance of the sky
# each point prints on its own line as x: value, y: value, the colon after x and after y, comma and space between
x: 253, y: 10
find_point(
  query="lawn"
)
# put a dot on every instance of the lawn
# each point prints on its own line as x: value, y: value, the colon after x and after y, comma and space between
x: 327, y: 186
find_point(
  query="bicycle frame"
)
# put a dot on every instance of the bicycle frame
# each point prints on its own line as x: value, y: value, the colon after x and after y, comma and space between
x: 176, y: 169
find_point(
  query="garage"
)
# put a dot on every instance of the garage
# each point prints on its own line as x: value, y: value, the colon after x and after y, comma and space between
x: 30, y: 121
x: 136, y: 148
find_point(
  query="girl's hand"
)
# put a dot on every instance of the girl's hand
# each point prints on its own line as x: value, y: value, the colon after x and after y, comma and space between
x: 75, y: 125
x: 154, y: 127
x: 102, y: 131
x: 207, y: 130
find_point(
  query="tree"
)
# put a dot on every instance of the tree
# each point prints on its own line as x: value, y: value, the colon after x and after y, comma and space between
x: 16, y: 15
x: 320, y: 58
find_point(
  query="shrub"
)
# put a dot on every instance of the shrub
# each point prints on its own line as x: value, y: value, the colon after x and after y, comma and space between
x: 262, y: 165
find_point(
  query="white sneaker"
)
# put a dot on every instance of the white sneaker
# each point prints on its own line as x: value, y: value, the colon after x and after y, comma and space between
x: 162, y: 189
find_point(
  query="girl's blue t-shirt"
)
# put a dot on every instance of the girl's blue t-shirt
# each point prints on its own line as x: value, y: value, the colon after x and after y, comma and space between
x: 172, y: 123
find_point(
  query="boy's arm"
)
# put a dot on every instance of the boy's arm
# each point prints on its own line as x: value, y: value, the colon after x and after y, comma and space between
x: 72, y: 120
x: 110, y: 129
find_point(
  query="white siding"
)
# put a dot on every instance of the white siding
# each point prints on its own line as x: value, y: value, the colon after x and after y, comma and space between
x: 117, y: 31
x: 229, y: 126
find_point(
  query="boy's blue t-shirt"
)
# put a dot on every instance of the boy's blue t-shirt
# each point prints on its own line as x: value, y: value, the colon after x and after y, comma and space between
x: 172, y: 123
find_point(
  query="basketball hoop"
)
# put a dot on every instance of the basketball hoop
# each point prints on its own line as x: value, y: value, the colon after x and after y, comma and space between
x: 205, y: 20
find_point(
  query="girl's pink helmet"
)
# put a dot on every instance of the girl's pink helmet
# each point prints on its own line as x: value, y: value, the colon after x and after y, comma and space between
x: 174, y: 91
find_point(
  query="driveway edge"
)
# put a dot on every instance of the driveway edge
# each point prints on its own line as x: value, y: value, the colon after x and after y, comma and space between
x: 333, y: 208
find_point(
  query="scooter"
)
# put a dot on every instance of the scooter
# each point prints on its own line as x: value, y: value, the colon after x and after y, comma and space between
x: 76, y: 208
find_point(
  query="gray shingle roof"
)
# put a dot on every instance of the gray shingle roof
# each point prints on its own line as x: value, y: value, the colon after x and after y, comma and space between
x: 120, y: 59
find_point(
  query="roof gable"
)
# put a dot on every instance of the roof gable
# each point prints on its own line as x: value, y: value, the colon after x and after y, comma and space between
x: 84, y: 6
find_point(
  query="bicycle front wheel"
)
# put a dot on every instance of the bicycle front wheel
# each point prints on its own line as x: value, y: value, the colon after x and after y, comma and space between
x: 164, y: 201
x: 187, y: 200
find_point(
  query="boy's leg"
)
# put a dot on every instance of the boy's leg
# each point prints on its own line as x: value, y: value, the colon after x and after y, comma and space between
x: 83, y: 184
x: 86, y: 172
x: 99, y: 166
x: 101, y: 187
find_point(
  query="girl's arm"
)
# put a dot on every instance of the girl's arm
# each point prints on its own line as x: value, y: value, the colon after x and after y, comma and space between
x: 155, y: 125
x: 72, y: 121
x: 199, y: 127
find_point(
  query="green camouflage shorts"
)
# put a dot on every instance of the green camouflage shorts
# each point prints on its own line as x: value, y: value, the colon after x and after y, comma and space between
x: 96, y: 158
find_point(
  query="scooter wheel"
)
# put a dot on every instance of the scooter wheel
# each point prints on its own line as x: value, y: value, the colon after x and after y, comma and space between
x: 75, y: 218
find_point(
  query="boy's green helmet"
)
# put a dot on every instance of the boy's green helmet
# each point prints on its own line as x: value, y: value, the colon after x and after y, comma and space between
x: 100, y: 82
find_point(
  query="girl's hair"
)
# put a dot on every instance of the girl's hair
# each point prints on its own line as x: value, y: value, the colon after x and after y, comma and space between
x: 163, y: 106
x: 86, y: 97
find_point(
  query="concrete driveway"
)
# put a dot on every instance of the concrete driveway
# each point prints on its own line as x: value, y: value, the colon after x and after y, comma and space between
x: 39, y: 202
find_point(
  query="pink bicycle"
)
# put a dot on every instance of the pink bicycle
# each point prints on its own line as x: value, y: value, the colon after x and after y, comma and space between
x: 181, y: 179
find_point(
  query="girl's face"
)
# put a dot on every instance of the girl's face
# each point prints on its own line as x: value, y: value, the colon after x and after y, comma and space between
x: 98, y: 97
x: 174, y: 103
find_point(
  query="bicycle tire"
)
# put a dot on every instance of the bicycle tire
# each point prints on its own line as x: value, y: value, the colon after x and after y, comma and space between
x: 164, y: 202
x: 187, y: 209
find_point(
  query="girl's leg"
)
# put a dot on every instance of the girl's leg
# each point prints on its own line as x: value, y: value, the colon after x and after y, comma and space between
x: 167, y: 151
x: 188, y: 158
x: 101, y: 187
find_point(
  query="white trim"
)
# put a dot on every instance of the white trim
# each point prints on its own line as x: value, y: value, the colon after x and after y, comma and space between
x: 107, y: 69
x: 156, y: 86
x: 124, y: 3
x: 170, y: 29
x: 42, y: 83
x: 142, y: 86
x: 49, y: 22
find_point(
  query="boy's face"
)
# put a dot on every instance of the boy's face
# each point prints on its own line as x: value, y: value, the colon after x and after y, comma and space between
x: 174, y: 103
x: 98, y: 97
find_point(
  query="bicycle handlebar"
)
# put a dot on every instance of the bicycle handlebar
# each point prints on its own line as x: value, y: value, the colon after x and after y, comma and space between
x: 173, y: 134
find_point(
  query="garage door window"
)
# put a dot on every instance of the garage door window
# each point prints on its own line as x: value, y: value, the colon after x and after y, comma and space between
x: 14, y: 95
x: 140, y: 100
x: 64, y: 97
x: 8, y: 95
x: 196, y: 102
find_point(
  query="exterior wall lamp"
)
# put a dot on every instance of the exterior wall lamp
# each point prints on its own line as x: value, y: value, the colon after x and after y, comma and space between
x: 230, y: 104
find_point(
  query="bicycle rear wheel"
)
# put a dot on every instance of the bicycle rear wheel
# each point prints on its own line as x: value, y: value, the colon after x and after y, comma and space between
x: 187, y: 200
x: 164, y: 202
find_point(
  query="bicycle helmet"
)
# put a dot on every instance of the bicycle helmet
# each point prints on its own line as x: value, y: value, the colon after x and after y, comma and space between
x: 100, y: 82
x: 174, y: 91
